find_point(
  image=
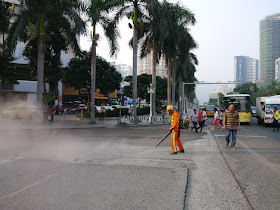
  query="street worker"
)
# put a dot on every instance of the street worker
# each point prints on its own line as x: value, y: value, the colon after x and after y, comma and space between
x: 275, y: 119
x: 175, y: 128
x: 231, y: 120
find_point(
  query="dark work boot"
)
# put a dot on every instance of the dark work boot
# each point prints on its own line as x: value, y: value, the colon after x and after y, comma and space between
x: 173, y: 153
x: 182, y: 151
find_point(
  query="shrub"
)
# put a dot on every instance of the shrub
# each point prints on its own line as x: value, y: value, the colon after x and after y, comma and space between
x: 143, y: 110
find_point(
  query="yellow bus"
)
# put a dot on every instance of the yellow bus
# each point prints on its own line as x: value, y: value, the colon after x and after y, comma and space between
x: 210, y: 110
x: 242, y: 104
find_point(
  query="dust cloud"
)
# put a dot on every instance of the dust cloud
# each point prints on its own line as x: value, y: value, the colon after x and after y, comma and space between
x: 25, y: 137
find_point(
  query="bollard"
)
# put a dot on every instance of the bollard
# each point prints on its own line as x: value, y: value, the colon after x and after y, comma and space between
x: 82, y: 114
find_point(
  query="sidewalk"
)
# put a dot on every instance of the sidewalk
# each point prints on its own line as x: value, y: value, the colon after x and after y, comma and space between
x: 69, y: 122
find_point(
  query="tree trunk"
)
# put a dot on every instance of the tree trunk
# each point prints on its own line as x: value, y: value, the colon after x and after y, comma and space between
x: 173, y: 82
x: 154, y: 81
x: 134, y: 88
x: 45, y: 94
x: 88, y: 92
x: 180, y: 92
x: 40, y: 77
x: 168, y: 82
x: 2, y: 93
x: 93, y: 82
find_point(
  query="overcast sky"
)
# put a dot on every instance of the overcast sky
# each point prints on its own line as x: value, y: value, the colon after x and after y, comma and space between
x: 224, y: 29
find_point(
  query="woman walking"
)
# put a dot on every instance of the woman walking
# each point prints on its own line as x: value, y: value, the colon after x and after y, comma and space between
x: 200, y: 120
x: 204, y: 118
x: 216, y: 119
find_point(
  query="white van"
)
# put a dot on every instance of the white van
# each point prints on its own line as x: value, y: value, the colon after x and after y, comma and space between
x: 265, y: 105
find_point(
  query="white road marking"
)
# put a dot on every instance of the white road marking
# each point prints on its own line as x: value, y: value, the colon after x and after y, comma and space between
x: 244, y: 136
x: 10, y: 195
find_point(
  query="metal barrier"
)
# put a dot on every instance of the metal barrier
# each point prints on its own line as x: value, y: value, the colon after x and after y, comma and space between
x: 144, y: 119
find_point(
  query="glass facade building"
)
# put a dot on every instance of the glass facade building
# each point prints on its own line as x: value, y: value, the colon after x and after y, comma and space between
x: 246, y: 69
x: 277, y: 70
x: 269, y: 46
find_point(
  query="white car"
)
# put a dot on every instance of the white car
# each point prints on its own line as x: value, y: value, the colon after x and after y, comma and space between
x: 109, y: 108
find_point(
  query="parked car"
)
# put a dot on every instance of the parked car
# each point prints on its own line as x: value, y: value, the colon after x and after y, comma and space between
x: 58, y: 109
x: 19, y: 112
x: 77, y: 108
x: 109, y: 108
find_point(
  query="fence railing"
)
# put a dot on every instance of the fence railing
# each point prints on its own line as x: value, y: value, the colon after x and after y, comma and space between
x: 144, y: 119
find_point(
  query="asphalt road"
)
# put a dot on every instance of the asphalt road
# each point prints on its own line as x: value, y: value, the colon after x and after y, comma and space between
x: 119, y: 168
x: 255, y: 164
x: 97, y: 168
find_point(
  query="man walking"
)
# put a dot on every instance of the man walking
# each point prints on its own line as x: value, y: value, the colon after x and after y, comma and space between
x: 175, y: 128
x: 275, y: 119
x: 51, y: 114
x: 231, y: 120
x: 194, y: 119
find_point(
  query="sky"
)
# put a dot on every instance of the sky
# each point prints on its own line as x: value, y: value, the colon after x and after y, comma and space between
x: 224, y: 29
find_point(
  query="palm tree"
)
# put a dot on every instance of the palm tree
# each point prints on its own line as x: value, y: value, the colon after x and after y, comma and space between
x: 98, y: 13
x: 185, y: 71
x: 151, y: 40
x: 6, y: 12
x: 7, y: 72
x: 136, y: 10
x: 186, y: 60
x: 31, y: 23
x: 177, y: 18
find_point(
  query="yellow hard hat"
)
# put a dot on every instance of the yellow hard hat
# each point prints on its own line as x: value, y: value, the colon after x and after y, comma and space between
x: 169, y: 107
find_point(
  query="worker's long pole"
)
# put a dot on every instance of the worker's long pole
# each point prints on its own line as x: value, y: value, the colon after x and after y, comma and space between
x: 163, y: 138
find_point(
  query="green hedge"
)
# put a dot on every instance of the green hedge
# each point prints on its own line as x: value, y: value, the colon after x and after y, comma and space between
x: 143, y: 111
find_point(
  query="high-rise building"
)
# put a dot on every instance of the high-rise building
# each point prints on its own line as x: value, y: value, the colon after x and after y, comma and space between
x: 246, y: 69
x: 277, y: 70
x: 146, y: 65
x: 269, y: 46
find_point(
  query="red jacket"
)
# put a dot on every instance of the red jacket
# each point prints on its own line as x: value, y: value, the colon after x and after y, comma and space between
x: 51, y: 111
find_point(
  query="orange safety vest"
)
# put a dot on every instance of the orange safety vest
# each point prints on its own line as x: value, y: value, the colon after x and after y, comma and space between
x: 175, y: 121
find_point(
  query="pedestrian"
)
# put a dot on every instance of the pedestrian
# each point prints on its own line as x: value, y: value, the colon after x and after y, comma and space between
x: 130, y: 111
x: 101, y: 111
x: 275, y: 119
x: 175, y: 128
x: 221, y: 115
x: 51, y: 111
x: 200, y: 120
x: 204, y: 118
x: 231, y: 120
x: 216, y: 119
x: 194, y: 119
x: 46, y: 112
